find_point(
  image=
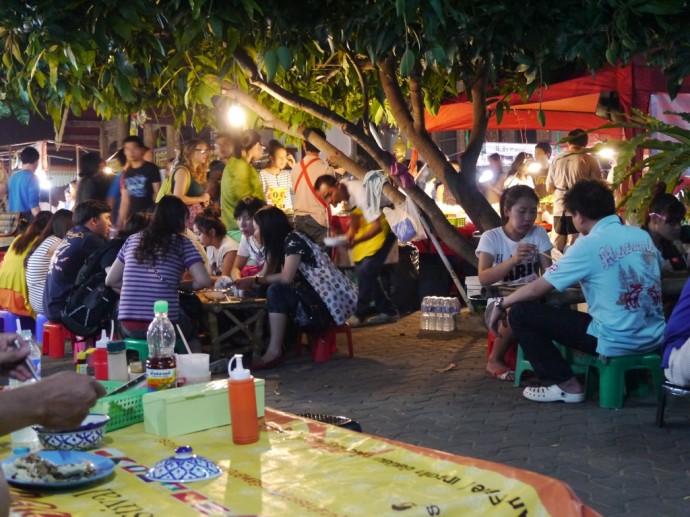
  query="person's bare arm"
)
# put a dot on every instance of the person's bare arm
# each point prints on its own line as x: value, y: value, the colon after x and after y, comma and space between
x: 60, y: 401
x: 240, y: 262
x: 124, y: 208
x: 115, y: 274
x: 532, y: 291
x: 200, y: 277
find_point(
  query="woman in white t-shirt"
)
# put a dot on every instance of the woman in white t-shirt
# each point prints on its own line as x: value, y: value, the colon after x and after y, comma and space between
x: 220, y: 248
x: 514, y: 253
x: 520, y: 177
x: 250, y: 255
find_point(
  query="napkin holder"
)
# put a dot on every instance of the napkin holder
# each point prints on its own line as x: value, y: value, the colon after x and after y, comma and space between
x: 192, y: 408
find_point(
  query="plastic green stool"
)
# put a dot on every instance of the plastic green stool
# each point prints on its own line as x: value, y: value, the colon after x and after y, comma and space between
x: 579, y: 362
x: 612, y: 381
x: 142, y: 348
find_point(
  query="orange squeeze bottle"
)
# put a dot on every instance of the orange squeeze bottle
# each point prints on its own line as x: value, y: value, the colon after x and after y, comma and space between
x: 242, y: 397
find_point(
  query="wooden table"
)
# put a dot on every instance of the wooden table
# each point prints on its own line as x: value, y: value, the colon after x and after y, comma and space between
x: 247, y: 315
x: 305, y: 468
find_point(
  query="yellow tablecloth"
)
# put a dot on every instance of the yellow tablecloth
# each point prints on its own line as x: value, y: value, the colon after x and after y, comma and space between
x: 303, y: 468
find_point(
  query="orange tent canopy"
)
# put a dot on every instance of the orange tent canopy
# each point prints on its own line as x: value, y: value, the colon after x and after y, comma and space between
x: 567, y: 105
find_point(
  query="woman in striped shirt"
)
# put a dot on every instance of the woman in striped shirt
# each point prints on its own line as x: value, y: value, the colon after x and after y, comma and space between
x: 150, y: 267
x: 276, y: 179
x: 38, y: 260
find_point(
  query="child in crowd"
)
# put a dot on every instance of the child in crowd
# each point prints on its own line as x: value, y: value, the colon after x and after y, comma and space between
x: 512, y: 254
x: 276, y: 179
x: 220, y: 248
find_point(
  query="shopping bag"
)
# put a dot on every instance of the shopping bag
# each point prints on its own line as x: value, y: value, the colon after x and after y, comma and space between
x: 405, y: 221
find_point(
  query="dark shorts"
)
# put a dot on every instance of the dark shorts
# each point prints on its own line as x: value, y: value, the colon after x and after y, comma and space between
x: 563, y: 225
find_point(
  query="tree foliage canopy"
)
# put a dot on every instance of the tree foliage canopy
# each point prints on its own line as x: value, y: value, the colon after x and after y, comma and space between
x: 309, y: 62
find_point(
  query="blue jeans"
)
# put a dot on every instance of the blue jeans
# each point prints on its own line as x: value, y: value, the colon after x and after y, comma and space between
x: 536, y: 326
x: 368, y: 271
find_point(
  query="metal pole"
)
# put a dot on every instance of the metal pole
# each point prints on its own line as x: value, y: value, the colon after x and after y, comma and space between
x: 450, y: 269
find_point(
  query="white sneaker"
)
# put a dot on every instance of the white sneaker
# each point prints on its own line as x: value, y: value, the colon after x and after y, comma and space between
x: 552, y: 394
x: 354, y: 321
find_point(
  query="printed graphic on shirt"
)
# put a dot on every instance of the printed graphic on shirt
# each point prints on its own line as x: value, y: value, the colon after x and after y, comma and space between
x: 639, y: 292
x: 276, y: 196
x: 136, y: 186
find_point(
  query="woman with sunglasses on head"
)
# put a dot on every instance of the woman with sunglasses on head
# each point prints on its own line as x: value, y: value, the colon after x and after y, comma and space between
x: 663, y: 221
x: 188, y: 179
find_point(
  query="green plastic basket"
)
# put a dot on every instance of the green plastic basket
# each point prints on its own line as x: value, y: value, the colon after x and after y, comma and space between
x: 123, y: 409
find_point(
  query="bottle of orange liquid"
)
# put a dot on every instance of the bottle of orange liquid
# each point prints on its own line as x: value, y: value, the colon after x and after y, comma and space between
x: 242, y: 395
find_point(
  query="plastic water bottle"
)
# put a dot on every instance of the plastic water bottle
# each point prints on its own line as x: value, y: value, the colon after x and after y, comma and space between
x: 438, y: 324
x: 27, y: 436
x: 448, y: 318
x: 424, y: 322
x: 432, y: 313
x: 160, y: 365
x: 455, y: 305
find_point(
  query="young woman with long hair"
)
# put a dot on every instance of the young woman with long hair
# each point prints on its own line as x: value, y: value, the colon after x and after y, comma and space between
x: 514, y: 253
x: 37, y: 261
x: 291, y: 258
x: 14, y: 293
x: 220, y: 248
x: 157, y: 257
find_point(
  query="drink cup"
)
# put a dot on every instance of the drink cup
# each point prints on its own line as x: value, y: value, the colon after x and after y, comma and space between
x: 192, y: 369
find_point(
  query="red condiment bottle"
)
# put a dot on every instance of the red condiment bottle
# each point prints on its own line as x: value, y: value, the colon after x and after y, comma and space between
x: 100, y: 358
x: 242, y: 397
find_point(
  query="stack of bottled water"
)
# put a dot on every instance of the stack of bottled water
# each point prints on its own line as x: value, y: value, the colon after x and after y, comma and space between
x: 438, y: 313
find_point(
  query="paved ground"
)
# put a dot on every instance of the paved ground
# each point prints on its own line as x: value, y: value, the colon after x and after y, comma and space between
x: 617, y: 461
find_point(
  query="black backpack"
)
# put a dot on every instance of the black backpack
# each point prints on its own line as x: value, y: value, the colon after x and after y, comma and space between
x: 91, y: 304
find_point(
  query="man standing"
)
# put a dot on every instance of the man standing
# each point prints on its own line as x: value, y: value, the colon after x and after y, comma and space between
x: 224, y: 146
x: 311, y: 211
x: 23, y: 189
x: 140, y: 181
x: 618, y: 268
x: 92, y: 224
x: 542, y: 155
x: 563, y: 174
x: 371, y: 240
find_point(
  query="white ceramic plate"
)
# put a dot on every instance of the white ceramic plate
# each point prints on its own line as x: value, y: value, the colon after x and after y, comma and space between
x: 103, y: 466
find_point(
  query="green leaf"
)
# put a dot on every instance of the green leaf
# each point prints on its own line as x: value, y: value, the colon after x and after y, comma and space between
x: 53, y: 67
x: 216, y: 27
x: 124, y: 88
x: 407, y: 63
x: 541, y: 116
x: 70, y: 55
x: 499, y: 112
x: 438, y: 10
x: 399, y: 7
x: 284, y: 57
x: 270, y: 64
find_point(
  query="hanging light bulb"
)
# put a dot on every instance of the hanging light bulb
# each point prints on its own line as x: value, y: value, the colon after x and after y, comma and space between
x: 236, y: 116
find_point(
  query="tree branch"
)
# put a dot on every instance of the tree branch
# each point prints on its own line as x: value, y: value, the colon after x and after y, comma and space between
x: 363, y: 85
x: 417, y: 100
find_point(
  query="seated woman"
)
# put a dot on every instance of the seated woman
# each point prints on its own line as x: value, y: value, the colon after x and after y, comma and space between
x: 514, y: 254
x: 14, y: 293
x: 220, y: 248
x: 664, y: 218
x: 293, y: 260
x: 250, y: 255
x: 38, y: 259
x: 675, y: 351
x: 150, y: 266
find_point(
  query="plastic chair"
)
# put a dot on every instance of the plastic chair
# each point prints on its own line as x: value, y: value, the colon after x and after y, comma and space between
x: 8, y: 320
x: 612, y: 376
x: 141, y: 347
x: 668, y: 388
x: 323, y: 343
x: 55, y: 337
x: 41, y: 320
x: 579, y: 362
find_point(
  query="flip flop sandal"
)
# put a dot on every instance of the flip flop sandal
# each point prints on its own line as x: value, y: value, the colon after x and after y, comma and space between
x: 505, y: 374
x: 552, y: 394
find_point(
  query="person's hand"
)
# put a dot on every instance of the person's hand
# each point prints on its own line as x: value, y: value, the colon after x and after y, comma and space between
x: 290, y: 160
x: 498, y: 315
x: 245, y: 283
x: 12, y: 358
x: 64, y: 399
x: 224, y: 282
x: 205, y: 198
x: 524, y: 252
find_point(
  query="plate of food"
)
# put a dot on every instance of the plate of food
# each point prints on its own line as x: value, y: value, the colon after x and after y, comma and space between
x: 338, y: 240
x: 56, y: 469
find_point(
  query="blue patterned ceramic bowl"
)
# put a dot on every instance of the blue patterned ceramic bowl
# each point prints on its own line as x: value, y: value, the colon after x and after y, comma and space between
x: 87, y: 436
x: 183, y: 468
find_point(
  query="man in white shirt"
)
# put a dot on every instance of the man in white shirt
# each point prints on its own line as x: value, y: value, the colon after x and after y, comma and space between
x: 311, y: 211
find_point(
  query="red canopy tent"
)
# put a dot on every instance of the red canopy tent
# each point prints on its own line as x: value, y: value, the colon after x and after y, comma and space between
x: 567, y: 105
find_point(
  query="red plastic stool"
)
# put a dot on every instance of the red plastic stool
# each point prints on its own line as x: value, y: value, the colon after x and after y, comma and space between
x: 54, y: 338
x: 323, y: 343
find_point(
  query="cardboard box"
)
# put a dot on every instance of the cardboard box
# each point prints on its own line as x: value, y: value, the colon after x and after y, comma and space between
x: 192, y: 408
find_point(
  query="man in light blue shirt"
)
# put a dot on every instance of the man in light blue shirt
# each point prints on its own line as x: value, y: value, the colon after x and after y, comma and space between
x: 618, y: 268
x: 23, y: 189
